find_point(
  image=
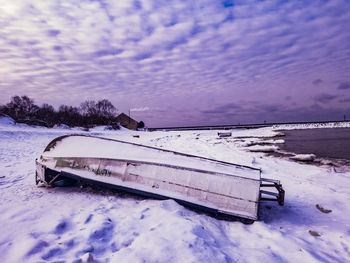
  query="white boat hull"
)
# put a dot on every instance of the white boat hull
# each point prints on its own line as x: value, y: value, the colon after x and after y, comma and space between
x: 217, y: 186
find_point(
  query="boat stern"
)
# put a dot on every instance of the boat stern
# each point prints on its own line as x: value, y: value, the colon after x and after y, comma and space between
x: 39, y: 172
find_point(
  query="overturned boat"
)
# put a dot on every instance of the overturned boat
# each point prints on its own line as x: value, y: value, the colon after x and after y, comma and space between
x: 208, y: 184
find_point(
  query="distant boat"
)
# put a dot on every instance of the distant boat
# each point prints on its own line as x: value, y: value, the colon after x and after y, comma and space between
x: 208, y: 184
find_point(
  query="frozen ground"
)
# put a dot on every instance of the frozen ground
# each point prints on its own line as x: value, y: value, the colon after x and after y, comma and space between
x: 74, y: 224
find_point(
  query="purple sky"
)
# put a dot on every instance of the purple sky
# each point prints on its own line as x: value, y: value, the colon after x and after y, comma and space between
x: 181, y: 62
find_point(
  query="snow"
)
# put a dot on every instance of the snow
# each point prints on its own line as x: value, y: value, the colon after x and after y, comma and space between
x: 6, y: 121
x: 61, y: 126
x: 80, y: 224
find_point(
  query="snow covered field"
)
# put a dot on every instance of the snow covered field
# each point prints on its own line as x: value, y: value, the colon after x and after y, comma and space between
x: 75, y: 224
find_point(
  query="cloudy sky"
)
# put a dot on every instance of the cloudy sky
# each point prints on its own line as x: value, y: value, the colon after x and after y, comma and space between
x: 180, y: 62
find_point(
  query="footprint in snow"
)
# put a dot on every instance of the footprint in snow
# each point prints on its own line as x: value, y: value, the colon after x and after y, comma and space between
x: 114, y: 247
x: 88, y: 219
x: 38, y: 248
x: 104, y: 234
x: 62, y: 227
x: 52, y: 253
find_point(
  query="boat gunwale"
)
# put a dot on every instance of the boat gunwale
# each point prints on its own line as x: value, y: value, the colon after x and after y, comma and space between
x: 60, y: 138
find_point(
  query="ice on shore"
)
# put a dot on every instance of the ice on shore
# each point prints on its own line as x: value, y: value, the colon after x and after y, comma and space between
x: 262, y: 148
x: 339, y: 124
x: 303, y: 157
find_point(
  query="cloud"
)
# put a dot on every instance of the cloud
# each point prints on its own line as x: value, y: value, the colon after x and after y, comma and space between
x: 256, y: 112
x: 140, y: 109
x: 212, y: 56
x: 325, y: 98
x: 344, y: 85
x: 223, y: 109
x: 317, y: 82
x: 53, y: 32
x: 271, y: 108
x: 344, y: 100
x: 108, y: 52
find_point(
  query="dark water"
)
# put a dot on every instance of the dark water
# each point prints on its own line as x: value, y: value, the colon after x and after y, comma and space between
x: 327, y: 143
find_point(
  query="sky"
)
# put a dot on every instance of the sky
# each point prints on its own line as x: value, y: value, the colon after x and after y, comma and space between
x: 181, y: 63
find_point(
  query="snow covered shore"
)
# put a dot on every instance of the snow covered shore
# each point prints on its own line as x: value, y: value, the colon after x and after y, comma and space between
x: 84, y: 224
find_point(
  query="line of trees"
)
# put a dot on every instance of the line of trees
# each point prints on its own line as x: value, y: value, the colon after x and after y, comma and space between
x: 90, y: 113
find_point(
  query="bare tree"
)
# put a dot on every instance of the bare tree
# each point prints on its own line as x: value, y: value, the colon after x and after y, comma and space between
x: 100, y: 113
x: 48, y: 114
x: 69, y: 115
x: 88, y: 108
x: 90, y: 113
x: 105, y: 108
x: 20, y: 108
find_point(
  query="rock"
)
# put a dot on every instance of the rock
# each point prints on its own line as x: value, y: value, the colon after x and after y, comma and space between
x: 314, y: 233
x: 88, y: 257
x: 323, y: 210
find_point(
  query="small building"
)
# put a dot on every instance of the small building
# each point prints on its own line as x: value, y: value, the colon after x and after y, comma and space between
x: 127, y: 122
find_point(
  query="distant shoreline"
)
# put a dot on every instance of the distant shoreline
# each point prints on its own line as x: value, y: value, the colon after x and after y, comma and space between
x: 280, y: 125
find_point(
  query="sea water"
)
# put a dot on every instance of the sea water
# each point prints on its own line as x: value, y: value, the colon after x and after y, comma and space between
x: 325, y: 142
